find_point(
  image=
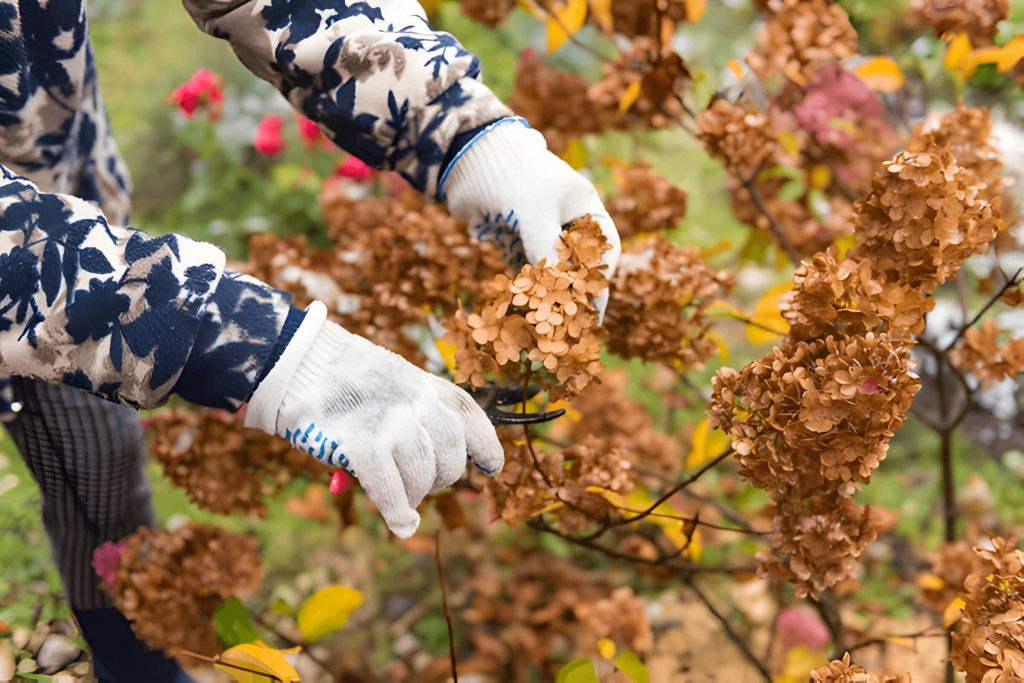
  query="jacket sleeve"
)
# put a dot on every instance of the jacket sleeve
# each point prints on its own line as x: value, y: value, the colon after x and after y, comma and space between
x: 372, y: 73
x: 116, y: 312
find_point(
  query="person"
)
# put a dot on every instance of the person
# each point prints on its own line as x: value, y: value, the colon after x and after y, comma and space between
x: 98, y: 319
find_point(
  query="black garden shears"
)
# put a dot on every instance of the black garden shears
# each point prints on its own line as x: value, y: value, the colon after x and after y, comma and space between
x: 491, y: 397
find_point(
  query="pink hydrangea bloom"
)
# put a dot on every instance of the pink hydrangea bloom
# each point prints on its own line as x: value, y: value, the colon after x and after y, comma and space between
x: 105, y: 560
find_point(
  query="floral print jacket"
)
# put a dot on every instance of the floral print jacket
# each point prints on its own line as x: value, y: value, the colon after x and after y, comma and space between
x: 89, y: 301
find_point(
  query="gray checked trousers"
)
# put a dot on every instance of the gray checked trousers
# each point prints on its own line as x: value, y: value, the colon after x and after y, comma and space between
x: 88, y: 457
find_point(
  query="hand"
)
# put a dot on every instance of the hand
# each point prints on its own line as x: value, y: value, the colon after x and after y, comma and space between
x: 514, y: 192
x: 400, y: 431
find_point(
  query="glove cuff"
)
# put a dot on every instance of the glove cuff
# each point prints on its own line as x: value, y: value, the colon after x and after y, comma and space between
x: 489, y: 162
x: 265, y: 404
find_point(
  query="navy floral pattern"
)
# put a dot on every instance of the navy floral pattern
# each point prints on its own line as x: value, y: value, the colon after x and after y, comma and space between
x: 378, y: 79
x: 90, y: 302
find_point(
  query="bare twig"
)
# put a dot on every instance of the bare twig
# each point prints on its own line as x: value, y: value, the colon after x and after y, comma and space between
x: 773, y: 225
x: 731, y: 633
x: 444, y: 605
x: 221, y: 662
x: 1012, y: 282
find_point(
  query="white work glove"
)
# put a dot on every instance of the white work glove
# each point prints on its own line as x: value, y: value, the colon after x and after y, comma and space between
x: 513, y: 191
x: 400, y: 431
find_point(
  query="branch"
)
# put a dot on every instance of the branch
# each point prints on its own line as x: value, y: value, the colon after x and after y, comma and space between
x: 735, y: 637
x: 1012, y: 282
x: 773, y: 225
x: 221, y: 662
x: 444, y: 605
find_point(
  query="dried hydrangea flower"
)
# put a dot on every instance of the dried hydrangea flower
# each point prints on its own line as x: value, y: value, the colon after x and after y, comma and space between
x: 738, y: 135
x: 979, y: 19
x: 169, y: 584
x: 988, y: 642
x: 645, y: 202
x: 799, y: 36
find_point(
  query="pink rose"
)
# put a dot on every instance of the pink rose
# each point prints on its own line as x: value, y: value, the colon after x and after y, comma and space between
x: 355, y: 169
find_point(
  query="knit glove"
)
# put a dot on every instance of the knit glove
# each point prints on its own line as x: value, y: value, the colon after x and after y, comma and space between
x: 400, y: 431
x: 514, y: 192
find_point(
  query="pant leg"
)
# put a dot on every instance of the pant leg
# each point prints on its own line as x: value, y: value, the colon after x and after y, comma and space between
x: 88, y: 457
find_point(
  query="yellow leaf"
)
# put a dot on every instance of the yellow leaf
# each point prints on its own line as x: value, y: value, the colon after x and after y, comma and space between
x: 565, y: 22
x: 789, y: 143
x: 951, y: 614
x: 736, y: 68
x: 716, y: 249
x: 447, y: 351
x: 723, y: 347
x: 575, y: 154
x: 979, y: 56
x: 258, y: 657
x: 902, y: 641
x: 695, y: 10
x: 629, y: 97
x: 602, y: 11
x: 800, y: 662
x: 882, y: 74
x: 706, y: 444
x: 327, y: 610
x: 959, y: 46
x: 820, y: 176
x: 766, y: 314
x: 606, y: 648
x: 845, y: 243
x: 930, y: 582
x: 1011, y: 53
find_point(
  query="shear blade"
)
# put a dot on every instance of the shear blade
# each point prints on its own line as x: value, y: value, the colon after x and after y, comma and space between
x: 500, y: 417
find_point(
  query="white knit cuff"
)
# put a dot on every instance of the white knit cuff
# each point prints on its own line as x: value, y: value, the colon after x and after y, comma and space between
x: 265, y: 404
x: 487, y: 165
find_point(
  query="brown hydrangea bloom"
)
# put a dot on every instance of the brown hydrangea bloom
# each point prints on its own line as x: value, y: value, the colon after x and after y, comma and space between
x: 606, y: 412
x: 967, y: 131
x: 535, y: 481
x: 847, y: 297
x: 223, y: 466
x: 645, y: 201
x: 952, y: 564
x: 924, y: 217
x: 738, y: 135
x: 487, y: 12
x: 805, y: 230
x: 983, y: 355
x: 620, y: 617
x: 663, y: 79
x: 543, y: 316
x: 979, y: 19
x: 646, y: 17
x: 799, y: 36
x: 659, y: 296
x: 825, y: 408
x: 522, y: 609
x: 845, y: 671
x: 813, y: 419
x: 395, y: 261
x: 169, y: 584
x: 553, y: 101
x: 988, y: 643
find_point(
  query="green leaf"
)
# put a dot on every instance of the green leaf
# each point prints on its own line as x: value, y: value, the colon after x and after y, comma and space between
x: 577, y: 671
x: 233, y: 624
x: 792, y: 190
x: 628, y: 663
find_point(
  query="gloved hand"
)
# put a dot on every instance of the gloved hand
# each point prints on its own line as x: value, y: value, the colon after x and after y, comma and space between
x: 513, y: 191
x: 400, y: 431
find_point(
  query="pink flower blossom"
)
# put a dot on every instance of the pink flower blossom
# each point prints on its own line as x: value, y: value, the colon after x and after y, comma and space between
x: 801, y: 625
x: 269, y: 140
x: 355, y: 169
x: 309, y: 132
x: 105, y: 560
x: 203, y: 90
x: 341, y: 481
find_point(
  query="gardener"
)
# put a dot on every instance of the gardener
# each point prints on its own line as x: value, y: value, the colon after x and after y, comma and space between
x: 98, y: 319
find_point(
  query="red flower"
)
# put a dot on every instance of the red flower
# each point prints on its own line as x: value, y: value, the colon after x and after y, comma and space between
x: 309, y: 132
x: 203, y: 90
x: 341, y: 481
x: 269, y: 140
x: 355, y: 169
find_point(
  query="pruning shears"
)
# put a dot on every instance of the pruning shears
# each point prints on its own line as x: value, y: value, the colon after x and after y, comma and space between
x: 491, y: 397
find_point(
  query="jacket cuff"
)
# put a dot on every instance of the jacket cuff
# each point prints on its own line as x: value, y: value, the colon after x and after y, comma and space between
x: 241, y: 330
